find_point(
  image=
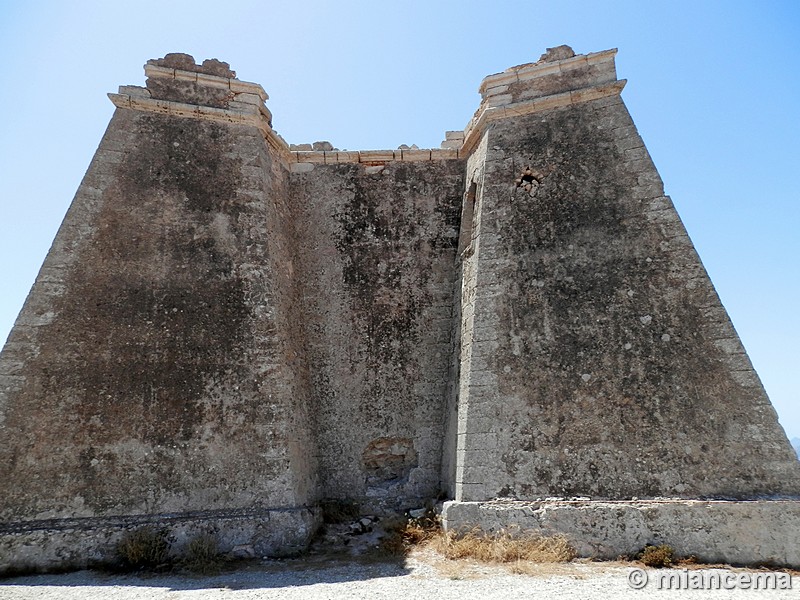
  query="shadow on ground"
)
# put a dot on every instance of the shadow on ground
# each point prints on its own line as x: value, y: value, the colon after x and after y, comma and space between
x: 266, y: 574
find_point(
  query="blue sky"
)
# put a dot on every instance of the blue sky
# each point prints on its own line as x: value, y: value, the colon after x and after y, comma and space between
x: 712, y: 86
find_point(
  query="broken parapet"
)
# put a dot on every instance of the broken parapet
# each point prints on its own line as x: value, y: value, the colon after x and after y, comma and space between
x: 558, y: 79
x: 185, y: 62
x: 177, y: 86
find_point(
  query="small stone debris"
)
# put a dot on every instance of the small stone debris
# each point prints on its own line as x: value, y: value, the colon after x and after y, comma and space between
x: 243, y: 551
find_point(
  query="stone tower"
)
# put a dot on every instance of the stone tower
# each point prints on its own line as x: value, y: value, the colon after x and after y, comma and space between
x: 596, y: 357
x: 228, y: 331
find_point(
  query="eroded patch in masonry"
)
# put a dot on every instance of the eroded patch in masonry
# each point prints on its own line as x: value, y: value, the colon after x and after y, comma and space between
x: 388, y: 460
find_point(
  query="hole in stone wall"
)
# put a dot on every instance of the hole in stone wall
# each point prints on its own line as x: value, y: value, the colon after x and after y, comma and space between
x: 529, y: 181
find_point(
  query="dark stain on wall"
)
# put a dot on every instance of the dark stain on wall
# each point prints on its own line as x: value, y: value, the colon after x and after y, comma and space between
x: 384, y: 260
x: 604, y: 342
x: 387, y: 242
x: 153, y: 312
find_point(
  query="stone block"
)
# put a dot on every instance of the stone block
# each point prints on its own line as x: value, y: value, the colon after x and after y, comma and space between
x: 246, y: 98
x: 376, y: 156
x: 496, y: 90
x: 444, y: 154
x: 346, y: 157
x: 216, y: 81
x: 156, y: 71
x: 498, y: 100
x: 310, y: 157
x: 415, y: 155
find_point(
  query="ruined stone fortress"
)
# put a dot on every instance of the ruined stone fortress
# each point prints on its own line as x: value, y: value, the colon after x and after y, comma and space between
x: 229, y: 330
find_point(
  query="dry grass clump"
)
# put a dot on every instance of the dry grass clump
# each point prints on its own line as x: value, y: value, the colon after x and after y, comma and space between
x: 657, y: 556
x: 406, y: 533
x: 148, y: 549
x: 144, y: 548
x: 423, y: 529
x: 502, y: 547
x: 203, y: 556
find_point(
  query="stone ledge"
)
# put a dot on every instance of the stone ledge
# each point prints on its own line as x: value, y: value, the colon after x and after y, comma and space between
x: 48, y: 544
x: 489, y: 113
x: 733, y: 532
x: 243, y: 114
x: 373, y: 157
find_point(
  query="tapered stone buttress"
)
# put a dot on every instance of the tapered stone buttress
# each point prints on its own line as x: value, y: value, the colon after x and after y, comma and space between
x: 596, y: 360
x: 150, y: 377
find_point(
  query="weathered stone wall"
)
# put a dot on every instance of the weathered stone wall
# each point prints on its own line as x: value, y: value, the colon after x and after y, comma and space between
x: 603, y: 364
x: 456, y: 426
x: 154, y: 368
x: 377, y: 264
x: 57, y: 544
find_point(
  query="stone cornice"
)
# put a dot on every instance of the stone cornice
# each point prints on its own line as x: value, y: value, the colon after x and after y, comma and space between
x: 489, y: 113
x: 247, y: 108
x: 244, y: 114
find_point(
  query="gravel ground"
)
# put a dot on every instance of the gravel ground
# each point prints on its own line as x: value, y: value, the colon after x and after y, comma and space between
x: 423, y: 575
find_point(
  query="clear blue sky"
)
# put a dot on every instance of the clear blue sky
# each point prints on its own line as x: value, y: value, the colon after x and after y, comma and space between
x: 714, y: 88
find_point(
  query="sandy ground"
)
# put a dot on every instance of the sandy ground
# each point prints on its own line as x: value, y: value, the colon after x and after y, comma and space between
x: 423, y: 575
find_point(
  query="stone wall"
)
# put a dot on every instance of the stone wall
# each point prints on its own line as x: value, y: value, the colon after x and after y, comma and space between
x: 144, y: 390
x: 376, y: 262
x: 601, y: 362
